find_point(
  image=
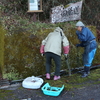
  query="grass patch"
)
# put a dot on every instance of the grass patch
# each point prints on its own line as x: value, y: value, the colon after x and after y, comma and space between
x: 70, y: 83
x: 75, y: 80
x: 4, y: 94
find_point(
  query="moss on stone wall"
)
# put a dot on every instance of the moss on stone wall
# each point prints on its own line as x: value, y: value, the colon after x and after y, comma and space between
x: 2, y: 33
x: 22, y: 55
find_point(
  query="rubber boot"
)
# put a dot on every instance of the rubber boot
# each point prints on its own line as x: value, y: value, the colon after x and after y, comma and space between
x: 86, y: 71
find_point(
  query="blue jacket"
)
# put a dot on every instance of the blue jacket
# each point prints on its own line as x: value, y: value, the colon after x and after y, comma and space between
x: 87, y: 38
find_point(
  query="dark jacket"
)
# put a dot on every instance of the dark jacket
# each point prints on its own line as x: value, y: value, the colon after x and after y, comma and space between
x: 87, y: 38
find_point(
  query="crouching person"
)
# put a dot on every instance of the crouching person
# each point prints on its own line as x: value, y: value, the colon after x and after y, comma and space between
x: 88, y: 41
x: 51, y: 47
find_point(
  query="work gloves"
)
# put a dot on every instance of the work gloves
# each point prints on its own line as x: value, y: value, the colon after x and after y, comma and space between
x: 65, y: 55
x: 78, y: 45
x: 83, y: 44
x: 42, y: 54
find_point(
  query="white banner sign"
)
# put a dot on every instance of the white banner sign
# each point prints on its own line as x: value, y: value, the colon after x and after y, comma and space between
x: 61, y: 14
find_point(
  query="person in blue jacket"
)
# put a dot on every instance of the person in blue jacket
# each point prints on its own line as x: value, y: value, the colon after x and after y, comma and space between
x: 88, y: 41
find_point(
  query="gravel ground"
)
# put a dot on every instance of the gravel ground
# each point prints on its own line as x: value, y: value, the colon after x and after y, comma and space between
x: 91, y: 92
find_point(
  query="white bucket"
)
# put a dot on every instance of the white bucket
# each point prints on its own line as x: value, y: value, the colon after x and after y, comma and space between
x: 32, y: 82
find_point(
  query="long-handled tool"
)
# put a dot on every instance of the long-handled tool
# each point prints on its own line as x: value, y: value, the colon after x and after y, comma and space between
x: 79, y: 61
x: 69, y: 69
x: 78, y: 57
